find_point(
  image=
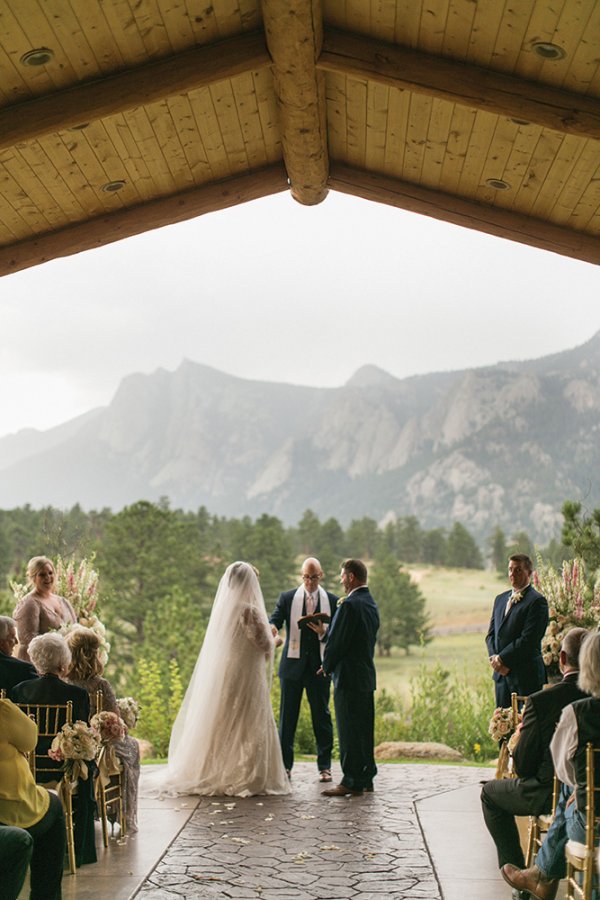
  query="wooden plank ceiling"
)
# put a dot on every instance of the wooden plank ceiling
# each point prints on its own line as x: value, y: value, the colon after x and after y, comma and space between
x: 139, y: 113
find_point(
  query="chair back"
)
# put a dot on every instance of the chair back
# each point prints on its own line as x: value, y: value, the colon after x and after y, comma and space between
x: 582, y: 857
x: 49, y: 718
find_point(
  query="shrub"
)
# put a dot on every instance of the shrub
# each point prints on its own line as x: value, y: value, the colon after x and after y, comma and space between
x: 160, y: 703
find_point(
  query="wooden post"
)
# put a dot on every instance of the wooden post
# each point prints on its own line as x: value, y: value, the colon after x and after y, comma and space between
x: 294, y: 31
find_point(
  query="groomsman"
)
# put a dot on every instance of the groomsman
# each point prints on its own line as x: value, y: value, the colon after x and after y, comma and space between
x: 301, y: 659
x: 349, y: 653
x: 517, y: 626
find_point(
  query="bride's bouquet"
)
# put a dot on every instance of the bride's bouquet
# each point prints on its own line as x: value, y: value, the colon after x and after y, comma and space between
x: 75, y: 745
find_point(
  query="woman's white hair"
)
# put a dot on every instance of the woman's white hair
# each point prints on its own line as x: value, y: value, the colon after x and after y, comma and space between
x: 6, y: 624
x: 589, y: 664
x: 50, y: 654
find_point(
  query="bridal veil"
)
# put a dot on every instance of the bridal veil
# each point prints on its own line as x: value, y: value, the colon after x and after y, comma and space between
x: 224, y: 739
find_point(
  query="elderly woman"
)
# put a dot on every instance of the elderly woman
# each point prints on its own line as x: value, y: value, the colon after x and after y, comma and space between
x: 86, y: 672
x: 578, y: 725
x: 41, y: 610
x: 51, y: 656
x: 26, y: 805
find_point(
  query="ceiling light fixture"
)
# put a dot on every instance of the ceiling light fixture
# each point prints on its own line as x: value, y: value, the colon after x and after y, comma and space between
x: 39, y: 57
x: 78, y: 127
x: 498, y: 184
x: 111, y: 186
x: 545, y: 50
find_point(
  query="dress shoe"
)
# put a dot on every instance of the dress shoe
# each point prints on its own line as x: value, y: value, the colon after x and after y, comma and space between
x: 369, y: 788
x: 340, y: 790
x: 325, y: 775
x: 531, y: 880
x: 520, y: 895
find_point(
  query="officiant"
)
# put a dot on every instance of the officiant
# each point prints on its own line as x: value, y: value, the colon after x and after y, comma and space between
x: 300, y: 660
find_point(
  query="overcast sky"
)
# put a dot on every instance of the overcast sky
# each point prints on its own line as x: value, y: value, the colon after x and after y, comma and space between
x: 276, y: 291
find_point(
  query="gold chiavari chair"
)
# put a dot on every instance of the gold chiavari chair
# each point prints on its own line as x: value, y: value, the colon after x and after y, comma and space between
x: 582, y: 857
x: 50, y: 718
x: 539, y: 825
x: 504, y: 765
x: 110, y: 785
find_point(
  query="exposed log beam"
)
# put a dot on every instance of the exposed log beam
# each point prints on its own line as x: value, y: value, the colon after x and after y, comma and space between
x: 491, y: 220
x: 468, y: 85
x: 135, y: 220
x: 294, y: 30
x: 114, y: 94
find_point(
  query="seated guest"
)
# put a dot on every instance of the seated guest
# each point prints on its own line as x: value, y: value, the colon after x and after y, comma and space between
x: 578, y: 725
x: 16, y: 849
x: 51, y: 656
x: 86, y: 672
x: 530, y: 794
x: 41, y: 610
x: 12, y: 669
x: 26, y: 805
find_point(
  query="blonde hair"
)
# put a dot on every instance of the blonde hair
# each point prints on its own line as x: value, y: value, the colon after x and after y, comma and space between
x: 589, y: 665
x: 35, y: 566
x: 85, y: 660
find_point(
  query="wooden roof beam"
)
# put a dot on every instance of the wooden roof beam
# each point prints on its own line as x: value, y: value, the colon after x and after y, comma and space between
x: 294, y: 30
x: 467, y: 85
x: 467, y: 213
x: 117, y: 93
x: 144, y: 217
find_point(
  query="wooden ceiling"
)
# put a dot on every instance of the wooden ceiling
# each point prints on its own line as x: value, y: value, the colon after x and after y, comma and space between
x: 140, y: 113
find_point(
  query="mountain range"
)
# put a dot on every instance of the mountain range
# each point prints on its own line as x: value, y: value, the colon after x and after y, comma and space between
x: 504, y: 444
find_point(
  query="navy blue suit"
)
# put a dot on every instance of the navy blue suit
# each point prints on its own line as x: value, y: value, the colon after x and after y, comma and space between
x: 297, y: 675
x: 13, y: 671
x: 516, y: 638
x: 349, y: 653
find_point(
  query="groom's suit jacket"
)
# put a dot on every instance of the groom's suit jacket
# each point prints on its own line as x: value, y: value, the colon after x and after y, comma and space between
x: 310, y: 656
x: 350, y: 646
x: 516, y: 638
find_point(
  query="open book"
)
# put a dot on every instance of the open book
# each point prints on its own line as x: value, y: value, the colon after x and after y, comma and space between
x: 303, y: 621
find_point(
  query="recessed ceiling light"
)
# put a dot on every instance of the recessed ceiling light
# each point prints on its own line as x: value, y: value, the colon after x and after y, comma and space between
x: 78, y: 127
x: 498, y: 184
x: 111, y: 186
x: 548, y: 51
x: 39, y: 57
x: 519, y: 121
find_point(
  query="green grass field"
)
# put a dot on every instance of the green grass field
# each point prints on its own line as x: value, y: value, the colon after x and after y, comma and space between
x: 459, y: 602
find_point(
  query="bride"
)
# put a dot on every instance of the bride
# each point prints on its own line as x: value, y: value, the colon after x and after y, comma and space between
x: 224, y: 740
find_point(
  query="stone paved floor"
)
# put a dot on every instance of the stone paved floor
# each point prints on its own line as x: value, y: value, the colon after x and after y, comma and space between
x: 307, y: 847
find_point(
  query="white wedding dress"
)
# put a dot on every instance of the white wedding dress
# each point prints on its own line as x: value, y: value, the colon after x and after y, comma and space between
x: 224, y: 740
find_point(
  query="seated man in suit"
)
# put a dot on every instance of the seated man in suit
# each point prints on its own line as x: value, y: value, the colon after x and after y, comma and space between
x: 530, y: 794
x: 517, y: 626
x: 12, y: 669
x: 579, y: 724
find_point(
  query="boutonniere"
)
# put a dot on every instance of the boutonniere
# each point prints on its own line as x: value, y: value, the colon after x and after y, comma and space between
x: 340, y: 601
x: 516, y: 596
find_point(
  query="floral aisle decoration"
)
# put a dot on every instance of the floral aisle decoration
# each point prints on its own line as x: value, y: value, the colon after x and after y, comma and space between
x: 503, y: 726
x: 79, y: 585
x: 129, y: 710
x: 75, y: 745
x: 571, y: 604
x: 110, y: 729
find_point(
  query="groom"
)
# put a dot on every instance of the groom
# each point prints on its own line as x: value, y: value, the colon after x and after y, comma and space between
x: 348, y: 657
x: 300, y: 661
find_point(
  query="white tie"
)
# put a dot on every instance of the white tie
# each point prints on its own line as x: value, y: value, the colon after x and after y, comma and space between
x: 310, y: 605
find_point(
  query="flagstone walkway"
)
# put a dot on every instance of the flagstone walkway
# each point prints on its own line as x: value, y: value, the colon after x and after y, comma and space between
x: 307, y: 847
